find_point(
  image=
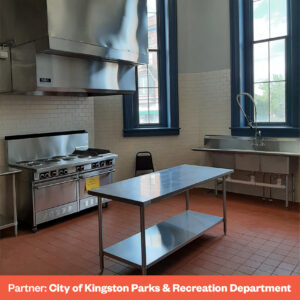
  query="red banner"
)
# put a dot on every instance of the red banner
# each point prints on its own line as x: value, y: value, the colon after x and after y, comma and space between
x: 147, y: 287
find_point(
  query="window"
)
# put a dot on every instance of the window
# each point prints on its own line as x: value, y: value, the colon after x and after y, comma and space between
x: 148, y: 83
x: 153, y: 109
x: 269, y: 57
x: 264, y: 59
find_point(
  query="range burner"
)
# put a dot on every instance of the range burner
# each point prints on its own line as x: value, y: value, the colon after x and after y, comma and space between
x: 84, y: 156
x: 23, y: 162
x: 58, y: 157
x: 91, y: 152
x: 69, y: 157
x: 34, y: 163
x: 53, y: 160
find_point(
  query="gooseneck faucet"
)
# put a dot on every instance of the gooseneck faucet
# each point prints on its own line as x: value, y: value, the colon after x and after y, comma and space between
x: 258, y: 141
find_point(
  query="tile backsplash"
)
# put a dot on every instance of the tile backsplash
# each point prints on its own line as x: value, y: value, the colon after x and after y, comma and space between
x: 33, y: 114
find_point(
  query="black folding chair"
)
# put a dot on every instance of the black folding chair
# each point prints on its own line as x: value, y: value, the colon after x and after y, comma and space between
x: 143, y: 163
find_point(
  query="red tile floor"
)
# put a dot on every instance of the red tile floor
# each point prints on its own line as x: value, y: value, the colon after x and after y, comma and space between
x: 263, y: 238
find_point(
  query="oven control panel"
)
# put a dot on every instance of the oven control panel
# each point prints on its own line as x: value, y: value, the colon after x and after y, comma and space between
x: 71, y: 170
x: 53, y: 173
x: 98, y: 164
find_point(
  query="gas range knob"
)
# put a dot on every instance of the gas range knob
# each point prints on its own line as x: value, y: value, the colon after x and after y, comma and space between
x: 44, y: 175
x: 65, y: 171
x: 61, y: 172
x: 109, y: 162
x: 95, y: 165
x: 79, y: 168
x: 102, y: 163
x: 53, y: 173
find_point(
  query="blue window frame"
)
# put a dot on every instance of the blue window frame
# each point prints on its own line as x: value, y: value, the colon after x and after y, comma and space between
x: 166, y: 118
x: 243, y: 77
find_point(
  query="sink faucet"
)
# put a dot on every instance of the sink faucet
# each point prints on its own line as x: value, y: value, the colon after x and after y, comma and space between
x: 258, y: 141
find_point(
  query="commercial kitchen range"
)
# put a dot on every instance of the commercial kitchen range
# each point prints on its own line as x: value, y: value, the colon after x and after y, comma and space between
x: 56, y: 170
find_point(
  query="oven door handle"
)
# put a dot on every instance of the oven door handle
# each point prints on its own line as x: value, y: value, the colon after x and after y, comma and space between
x: 103, y: 173
x: 54, y: 184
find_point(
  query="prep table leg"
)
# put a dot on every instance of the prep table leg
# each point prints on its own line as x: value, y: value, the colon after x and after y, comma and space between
x: 293, y: 188
x: 143, y: 240
x: 100, y: 235
x: 216, y: 187
x: 15, y: 204
x: 224, y: 205
x: 187, y: 200
x: 287, y: 191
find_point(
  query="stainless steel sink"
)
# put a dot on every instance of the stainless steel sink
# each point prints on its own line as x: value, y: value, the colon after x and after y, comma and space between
x: 274, y: 146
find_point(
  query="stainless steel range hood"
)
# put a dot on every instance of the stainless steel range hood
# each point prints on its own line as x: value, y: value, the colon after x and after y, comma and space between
x: 88, y: 47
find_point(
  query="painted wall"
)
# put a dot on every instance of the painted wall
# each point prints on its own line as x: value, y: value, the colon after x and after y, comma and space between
x: 203, y: 35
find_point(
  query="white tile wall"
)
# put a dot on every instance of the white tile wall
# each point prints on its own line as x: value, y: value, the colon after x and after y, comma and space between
x: 27, y: 114
x: 200, y: 102
x: 204, y: 103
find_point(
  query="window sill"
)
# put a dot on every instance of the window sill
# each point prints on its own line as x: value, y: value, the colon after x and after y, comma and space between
x: 154, y: 131
x: 267, y: 131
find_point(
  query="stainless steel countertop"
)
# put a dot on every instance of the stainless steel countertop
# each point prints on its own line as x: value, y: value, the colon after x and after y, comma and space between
x: 239, y: 144
x: 247, y: 151
x: 6, y: 170
x: 153, y: 187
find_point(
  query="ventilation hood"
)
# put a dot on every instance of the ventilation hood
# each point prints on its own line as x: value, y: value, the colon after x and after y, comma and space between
x: 80, y: 47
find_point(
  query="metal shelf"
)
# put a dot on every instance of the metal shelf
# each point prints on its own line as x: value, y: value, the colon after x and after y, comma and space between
x: 254, y: 183
x: 6, y: 222
x: 163, y: 239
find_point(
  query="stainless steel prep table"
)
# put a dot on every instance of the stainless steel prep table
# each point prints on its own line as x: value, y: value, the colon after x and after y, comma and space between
x: 6, y: 222
x: 146, y: 248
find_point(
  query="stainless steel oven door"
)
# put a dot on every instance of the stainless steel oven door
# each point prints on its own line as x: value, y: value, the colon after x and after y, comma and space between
x: 85, y: 200
x: 54, y: 193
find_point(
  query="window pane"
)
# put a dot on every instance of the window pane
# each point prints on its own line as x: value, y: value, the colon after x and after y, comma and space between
x: 261, y: 62
x: 153, y: 106
x: 143, y: 106
x: 277, y: 60
x: 148, y: 81
x: 144, y: 117
x: 261, y: 19
x: 152, y: 31
x: 277, y: 102
x: 153, y: 70
x: 151, y: 5
x: 261, y: 98
x: 278, y: 18
x: 143, y: 76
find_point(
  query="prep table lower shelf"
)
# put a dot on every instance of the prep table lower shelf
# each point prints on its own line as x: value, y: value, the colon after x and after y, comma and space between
x: 163, y: 239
